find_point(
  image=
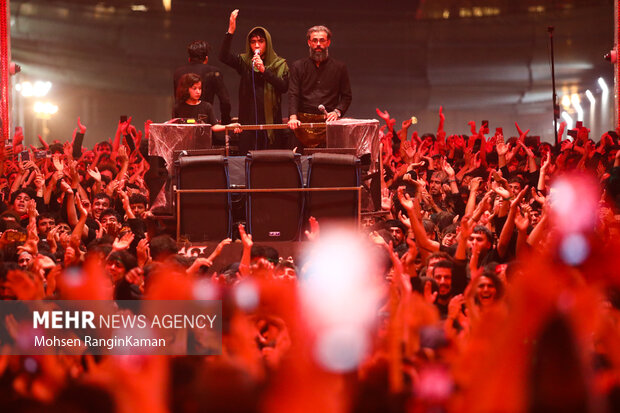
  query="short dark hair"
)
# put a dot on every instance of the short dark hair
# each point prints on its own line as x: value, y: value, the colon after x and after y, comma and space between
x: 442, y: 219
x: 102, y: 195
x: 110, y: 211
x: 319, y: 28
x: 125, y: 258
x: 438, y: 254
x: 162, y: 245
x: 104, y: 143
x: 481, y: 229
x: 28, y: 191
x: 429, y: 227
x: 185, y: 82
x: 489, y: 272
x: 440, y: 175
x: 56, y: 148
x: 45, y: 215
x: 395, y: 223
x: 198, y: 50
x: 518, y: 180
x: 265, y: 251
x: 443, y: 264
x: 138, y: 199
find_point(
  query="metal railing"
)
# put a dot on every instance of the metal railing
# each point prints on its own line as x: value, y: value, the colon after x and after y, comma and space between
x: 178, y: 192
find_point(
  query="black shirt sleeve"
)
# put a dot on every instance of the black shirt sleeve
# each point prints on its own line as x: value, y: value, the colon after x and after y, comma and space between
x: 228, y: 58
x: 346, y: 96
x: 293, y: 90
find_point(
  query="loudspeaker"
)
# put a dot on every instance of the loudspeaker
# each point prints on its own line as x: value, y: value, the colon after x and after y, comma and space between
x: 333, y: 170
x: 276, y: 216
x: 204, y: 216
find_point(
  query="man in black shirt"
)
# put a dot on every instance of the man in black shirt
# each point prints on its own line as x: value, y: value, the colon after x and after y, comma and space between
x: 211, y: 77
x: 318, y: 80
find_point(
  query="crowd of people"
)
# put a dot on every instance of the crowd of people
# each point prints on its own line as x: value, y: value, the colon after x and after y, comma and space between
x: 484, y: 304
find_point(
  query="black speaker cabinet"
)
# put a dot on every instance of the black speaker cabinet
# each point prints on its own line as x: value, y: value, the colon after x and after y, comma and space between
x: 204, y: 216
x: 274, y: 216
x: 333, y: 170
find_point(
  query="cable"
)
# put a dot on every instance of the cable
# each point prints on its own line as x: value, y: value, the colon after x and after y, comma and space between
x: 255, y: 107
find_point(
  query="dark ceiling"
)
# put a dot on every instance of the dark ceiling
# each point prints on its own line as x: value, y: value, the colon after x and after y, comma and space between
x: 479, y: 59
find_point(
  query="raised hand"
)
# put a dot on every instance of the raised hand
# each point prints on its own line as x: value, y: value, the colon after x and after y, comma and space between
x: 500, y: 190
x: 122, y: 153
x: 123, y: 126
x: 246, y: 238
x: 43, y: 143
x: 313, y: 233
x: 519, y: 129
x: 522, y: 221
x: 474, y: 184
x: 407, y: 152
x: 135, y: 276
x: 405, y: 220
x: 197, y: 264
x: 500, y: 146
x: 527, y: 150
x: 94, y: 173
x: 81, y: 127
x: 57, y: 162
x: 386, y: 199
x: 405, y: 199
x: 221, y: 246
x: 429, y: 295
x: 472, y: 127
x: 53, y: 238
x: 517, y: 200
x: 536, y: 195
x: 448, y: 169
x: 455, y: 305
x: 31, y: 208
x: 232, y: 21
x: 143, y: 252
x: 546, y: 163
x: 386, y: 117
x: 442, y: 119
x: 123, y: 242
x: 39, y: 180
x: 18, y: 137
x: 561, y: 130
x: 522, y: 134
x: 406, y: 123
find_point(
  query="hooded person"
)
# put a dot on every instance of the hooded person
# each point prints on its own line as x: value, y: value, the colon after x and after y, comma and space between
x: 264, y: 78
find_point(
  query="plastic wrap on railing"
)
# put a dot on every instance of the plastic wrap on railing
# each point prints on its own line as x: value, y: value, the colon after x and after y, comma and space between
x: 361, y: 134
x: 165, y: 138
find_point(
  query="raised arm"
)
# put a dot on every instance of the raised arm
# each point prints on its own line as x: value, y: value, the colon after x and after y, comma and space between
x: 474, y: 184
x: 508, y: 229
x: 225, y: 56
x: 246, y: 239
x: 425, y: 245
x: 542, y: 177
x: 467, y: 226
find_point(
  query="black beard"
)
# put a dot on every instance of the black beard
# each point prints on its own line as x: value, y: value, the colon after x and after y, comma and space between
x: 318, y: 56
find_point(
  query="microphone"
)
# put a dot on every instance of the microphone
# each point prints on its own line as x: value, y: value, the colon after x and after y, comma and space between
x: 323, y: 110
x: 256, y: 53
